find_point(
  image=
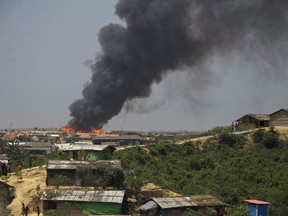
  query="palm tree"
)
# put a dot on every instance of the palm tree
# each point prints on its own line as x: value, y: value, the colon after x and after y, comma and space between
x: 14, y: 150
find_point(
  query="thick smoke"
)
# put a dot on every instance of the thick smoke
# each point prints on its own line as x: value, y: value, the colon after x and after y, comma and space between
x: 163, y: 36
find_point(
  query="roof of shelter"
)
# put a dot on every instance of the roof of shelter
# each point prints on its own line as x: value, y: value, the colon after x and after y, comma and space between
x: 72, y: 165
x: 99, y: 196
x: 257, y: 202
x: 123, y: 137
x: 259, y: 117
x: 190, y: 201
x: 286, y: 110
x: 78, y: 147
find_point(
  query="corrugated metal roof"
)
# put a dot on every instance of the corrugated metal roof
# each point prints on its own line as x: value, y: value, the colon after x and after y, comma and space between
x: 78, y: 147
x: 195, y: 200
x: 60, y: 164
x: 260, y: 117
x: 127, y: 137
x: 113, y: 196
x: 174, y: 202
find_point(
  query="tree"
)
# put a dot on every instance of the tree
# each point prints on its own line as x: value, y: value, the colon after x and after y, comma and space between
x: 15, y: 151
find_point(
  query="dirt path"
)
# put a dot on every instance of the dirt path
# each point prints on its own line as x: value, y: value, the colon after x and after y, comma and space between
x: 25, y: 189
x: 283, y: 131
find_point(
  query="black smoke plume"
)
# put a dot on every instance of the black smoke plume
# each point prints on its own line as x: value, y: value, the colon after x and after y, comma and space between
x: 161, y: 36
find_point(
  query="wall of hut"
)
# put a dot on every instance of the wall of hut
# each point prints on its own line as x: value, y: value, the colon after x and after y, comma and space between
x: 92, y: 155
x: 71, y: 177
x: 60, y: 208
x: 5, y: 193
x: 77, y: 208
x: 279, y: 118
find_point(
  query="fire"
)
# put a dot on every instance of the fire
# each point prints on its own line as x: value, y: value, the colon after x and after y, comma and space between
x: 98, y: 131
x: 69, y: 129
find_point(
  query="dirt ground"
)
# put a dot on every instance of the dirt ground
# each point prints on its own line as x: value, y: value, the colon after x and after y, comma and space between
x: 26, y: 189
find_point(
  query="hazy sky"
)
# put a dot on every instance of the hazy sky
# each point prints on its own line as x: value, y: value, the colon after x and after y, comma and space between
x: 44, y: 46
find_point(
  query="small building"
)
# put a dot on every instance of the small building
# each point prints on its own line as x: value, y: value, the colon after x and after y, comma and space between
x: 87, y: 152
x: 6, y: 194
x: 123, y: 140
x: 82, y: 202
x: 41, y: 148
x: 254, y: 120
x: 69, y: 172
x: 178, y: 205
x: 257, y: 207
x: 279, y: 118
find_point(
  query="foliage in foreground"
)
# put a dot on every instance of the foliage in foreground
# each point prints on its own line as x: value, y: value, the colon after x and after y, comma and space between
x: 226, y: 170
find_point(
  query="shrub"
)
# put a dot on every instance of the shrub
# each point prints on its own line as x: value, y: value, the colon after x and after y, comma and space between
x: 258, y: 136
x: 271, y: 139
x: 232, y: 140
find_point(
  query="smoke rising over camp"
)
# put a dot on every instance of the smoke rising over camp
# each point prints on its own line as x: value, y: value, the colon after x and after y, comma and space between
x: 163, y: 36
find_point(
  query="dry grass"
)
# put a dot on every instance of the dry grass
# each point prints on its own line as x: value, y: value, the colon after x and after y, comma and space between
x: 25, y: 189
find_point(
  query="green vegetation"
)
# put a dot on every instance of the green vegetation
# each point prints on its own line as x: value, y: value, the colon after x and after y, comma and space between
x: 15, y: 151
x: 103, y: 176
x: 229, y: 167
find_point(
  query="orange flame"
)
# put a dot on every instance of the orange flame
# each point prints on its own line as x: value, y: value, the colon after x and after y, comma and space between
x: 69, y: 129
x: 98, y: 131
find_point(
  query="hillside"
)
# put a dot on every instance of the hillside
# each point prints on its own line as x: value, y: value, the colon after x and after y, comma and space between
x: 229, y: 167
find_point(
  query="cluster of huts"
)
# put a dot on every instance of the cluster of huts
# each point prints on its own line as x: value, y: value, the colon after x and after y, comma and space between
x: 277, y: 118
x: 70, y: 191
x: 81, y: 195
x: 81, y: 200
